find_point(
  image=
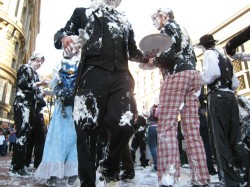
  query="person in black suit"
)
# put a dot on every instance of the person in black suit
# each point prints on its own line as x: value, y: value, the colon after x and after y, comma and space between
x: 27, y: 92
x: 139, y: 140
x: 36, y: 138
x: 204, y: 131
x: 104, y: 86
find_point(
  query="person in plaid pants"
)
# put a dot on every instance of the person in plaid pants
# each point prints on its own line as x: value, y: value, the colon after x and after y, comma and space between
x: 178, y: 95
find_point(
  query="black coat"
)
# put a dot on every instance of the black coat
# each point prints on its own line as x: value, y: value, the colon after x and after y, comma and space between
x: 237, y: 40
x: 92, y: 23
x: 26, y: 93
x: 180, y: 56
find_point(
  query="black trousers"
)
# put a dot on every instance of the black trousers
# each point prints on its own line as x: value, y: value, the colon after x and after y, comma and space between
x: 138, y: 141
x: 204, y: 132
x: 21, y: 114
x: 230, y: 152
x: 11, y: 146
x: 109, y: 96
x: 127, y: 161
x: 36, y: 139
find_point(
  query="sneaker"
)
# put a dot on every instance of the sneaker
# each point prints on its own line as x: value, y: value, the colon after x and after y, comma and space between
x: 72, y: 180
x: 127, y: 175
x: 51, y: 182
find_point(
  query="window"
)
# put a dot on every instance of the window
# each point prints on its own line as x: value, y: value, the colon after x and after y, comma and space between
x: 17, y: 7
x: 237, y: 66
x: 242, y: 84
x: 13, y: 65
x: 2, y: 84
x: 17, y: 47
x: 23, y: 18
x: 8, y: 93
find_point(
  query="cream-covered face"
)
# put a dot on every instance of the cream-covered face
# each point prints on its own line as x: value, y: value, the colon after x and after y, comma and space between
x: 159, y: 21
x: 113, y: 3
x: 36, y: 64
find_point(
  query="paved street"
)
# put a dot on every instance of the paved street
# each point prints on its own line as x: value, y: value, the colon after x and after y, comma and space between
x: 8, y: 180
x: 144, y: 178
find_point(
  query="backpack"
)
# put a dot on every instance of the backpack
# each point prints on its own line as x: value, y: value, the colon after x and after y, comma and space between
x: 65, y: 83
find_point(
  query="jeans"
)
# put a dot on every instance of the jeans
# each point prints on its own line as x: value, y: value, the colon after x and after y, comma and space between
x: 152, y: 143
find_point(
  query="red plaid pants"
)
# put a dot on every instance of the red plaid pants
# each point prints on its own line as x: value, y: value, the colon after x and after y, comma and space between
x: 179, y: 95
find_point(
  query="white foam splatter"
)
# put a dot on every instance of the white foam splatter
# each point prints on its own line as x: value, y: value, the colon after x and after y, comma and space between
x: 126, y: 118
x: 168, y: 177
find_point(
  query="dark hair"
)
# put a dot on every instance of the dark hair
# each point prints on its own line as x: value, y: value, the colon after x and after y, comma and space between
x: 208, y: 45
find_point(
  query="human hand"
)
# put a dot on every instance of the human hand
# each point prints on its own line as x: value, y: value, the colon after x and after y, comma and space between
x: 151, y: 54
x: 151, y: 62
x: 67, y: 44
x: 42, y: 83
x: 48, y: 92
x: 148, y: 66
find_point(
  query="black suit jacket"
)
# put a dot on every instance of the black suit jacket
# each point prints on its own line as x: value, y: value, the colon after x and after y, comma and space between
x: 93, y: 26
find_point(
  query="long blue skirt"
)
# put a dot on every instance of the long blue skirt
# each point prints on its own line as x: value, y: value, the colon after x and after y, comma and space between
x: 60, y: 154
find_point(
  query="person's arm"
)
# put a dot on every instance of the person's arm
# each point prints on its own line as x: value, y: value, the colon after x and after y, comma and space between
x: 235, y: 82
x: 156, y: 114
x: 134, y: 53
x: 241, y: 56
x: 71, y: 28
x: 237, y: 40
x: 211, y: 69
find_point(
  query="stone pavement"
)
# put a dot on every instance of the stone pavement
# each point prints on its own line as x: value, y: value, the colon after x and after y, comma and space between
x: 9, y: 180
x: 144, y: 178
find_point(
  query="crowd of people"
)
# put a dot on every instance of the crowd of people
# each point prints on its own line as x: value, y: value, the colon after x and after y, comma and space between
x: 96, y: 116
x: 7, y: 138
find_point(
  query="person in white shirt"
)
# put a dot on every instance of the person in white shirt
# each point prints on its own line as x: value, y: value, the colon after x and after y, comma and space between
x: 221, y: 81
x: 2, y: 138
x: 3, y: 148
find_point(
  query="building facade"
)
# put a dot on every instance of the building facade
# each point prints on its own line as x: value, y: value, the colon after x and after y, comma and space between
x: 148, y: 82
x: 19, y: 26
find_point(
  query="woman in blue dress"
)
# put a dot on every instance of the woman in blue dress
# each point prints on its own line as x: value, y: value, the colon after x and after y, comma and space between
x: 60, y: 153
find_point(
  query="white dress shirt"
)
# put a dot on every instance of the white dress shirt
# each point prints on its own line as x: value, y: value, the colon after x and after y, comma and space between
x: 211, y: 69
x: 2, y: 138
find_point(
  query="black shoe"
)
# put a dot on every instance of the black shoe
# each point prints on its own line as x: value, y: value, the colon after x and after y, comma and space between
x: 153, y: 170
x: 110, y: 176
x: 144, y: 164
x: 127, y: 175
x: 72, y: 180
x: 214, y: 172
x: 166, y: 186
x: 51, y: 182
x: 22, y: 172
x: 205, y: 185
x: 11, y: 170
